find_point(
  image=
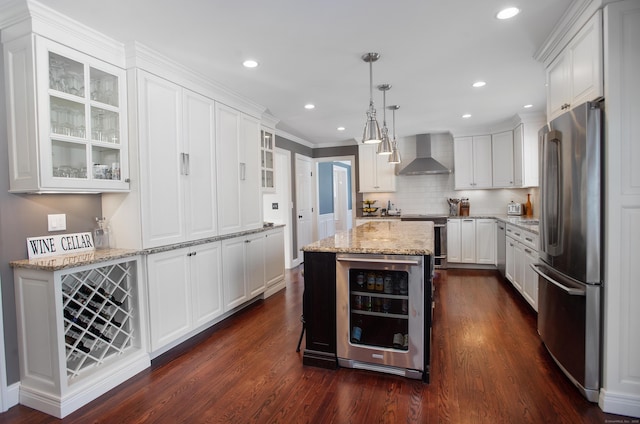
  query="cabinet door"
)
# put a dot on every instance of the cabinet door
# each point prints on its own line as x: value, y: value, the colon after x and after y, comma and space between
x: 199, y: 167
x: 502, y: 159
x: 254, y: 264
x: 228, y: 168
x: 206, y: 282
x: 518, y: 158
x: 486, y: 241
x: 468, y: 241
x: 169, y: 296
x: 587, y: 62
x: 274, y: 257
x: 375, y: 172
x: 558, y: 88
x: 463, y: 157
x: 233, y: 273
x: 482, y: 162
x: 510, y: 267
x: 530, y: 278
x: 518, y: 260
x: 454, y: 249
x: 161, y: 185
x: 250, y: 183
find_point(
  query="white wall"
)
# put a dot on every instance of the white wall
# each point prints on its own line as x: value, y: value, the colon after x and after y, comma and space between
x: 428, y: 194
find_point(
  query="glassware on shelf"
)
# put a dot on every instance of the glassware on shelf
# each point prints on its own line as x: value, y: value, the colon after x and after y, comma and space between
x: 101, y: 237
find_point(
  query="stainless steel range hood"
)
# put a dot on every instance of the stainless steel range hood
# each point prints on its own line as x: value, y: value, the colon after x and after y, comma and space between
x: 424, y: 164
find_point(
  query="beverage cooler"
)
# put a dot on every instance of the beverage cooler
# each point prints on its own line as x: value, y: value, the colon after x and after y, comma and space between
x: 384, y: 313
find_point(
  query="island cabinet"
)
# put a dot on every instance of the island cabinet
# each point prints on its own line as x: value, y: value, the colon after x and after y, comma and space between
x: 67, y: 120
x: 319, y: 309
x: 81, y: 328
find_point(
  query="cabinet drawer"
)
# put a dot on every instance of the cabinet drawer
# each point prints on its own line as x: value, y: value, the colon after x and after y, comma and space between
x: 514, y: 232
x: 530, y: 239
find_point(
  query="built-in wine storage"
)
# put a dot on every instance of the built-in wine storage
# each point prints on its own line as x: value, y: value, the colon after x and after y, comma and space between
x: 97, y: 309
x: 81, y: 327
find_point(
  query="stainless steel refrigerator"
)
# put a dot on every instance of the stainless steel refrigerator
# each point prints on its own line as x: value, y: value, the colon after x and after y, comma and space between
x: 571, y: 234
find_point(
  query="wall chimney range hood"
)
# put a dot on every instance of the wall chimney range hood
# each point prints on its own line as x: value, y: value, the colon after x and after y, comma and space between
x: 424, y: 164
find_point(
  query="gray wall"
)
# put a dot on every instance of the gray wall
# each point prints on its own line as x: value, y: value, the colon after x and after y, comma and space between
x: 23, y: 216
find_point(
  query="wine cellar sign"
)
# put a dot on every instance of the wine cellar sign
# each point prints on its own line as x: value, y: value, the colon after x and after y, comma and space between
x: 59, y: 244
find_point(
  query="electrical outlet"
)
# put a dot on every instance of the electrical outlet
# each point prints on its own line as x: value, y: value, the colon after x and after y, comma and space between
x: 274, y: 206
x: 57, y: 222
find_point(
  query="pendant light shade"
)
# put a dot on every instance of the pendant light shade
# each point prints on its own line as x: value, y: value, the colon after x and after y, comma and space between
x: 372, y: 133
x: 394, y: 158
x: 384, y: 148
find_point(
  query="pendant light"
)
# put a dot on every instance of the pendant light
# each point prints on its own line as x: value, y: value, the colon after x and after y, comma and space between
x: 394, y: 158
x: 371, y: 133
x: 384, y: 148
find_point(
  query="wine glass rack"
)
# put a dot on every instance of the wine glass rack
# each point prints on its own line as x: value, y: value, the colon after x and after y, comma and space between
x: 97, y: 310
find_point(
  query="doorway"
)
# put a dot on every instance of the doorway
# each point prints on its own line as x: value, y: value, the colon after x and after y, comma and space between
x: 304, y: 203
x: 340, y: 198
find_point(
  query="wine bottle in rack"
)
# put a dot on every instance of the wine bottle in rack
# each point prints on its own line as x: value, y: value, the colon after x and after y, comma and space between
x: 74, y: 318
x: 70, y: 340
x: 109, y: 296
x: 93, y: 330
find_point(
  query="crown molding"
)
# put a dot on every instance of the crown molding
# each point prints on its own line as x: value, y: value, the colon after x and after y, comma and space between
x: 294, y: 138
x: 574, y: 18
x: 140, y: 56
x: 22, y: 17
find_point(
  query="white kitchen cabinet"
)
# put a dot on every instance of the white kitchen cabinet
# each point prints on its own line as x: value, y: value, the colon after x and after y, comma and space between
x: 454, y: 239
x: 67, y: 119
x: 530, y: 278
x: 244, y: 269
x: 238, y: 170
x: 576, y: 75
x: 473, y: 162
x: 255, y: 263
x: 522, y: 251
x: 468, y: 241
x: 525, y: 153
x: 177, y: 162
x: 81, y: 332
x: 274, y: 260
x: 486, y: 241
x: 471, y: 241
x: 185, y: 291
x: 502, y: 159
x: 375, y: 172
x: 267, y: 144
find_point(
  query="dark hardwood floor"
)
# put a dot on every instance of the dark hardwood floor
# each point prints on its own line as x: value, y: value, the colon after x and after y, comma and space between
x: 488, y: 366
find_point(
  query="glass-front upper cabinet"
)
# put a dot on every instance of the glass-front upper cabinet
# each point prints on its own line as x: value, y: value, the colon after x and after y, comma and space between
x: 267, y: 144
x: 80, y: 140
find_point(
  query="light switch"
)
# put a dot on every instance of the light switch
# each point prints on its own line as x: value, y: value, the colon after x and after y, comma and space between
x: 57, y: 222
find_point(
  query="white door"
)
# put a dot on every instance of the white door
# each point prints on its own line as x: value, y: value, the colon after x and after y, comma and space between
x: 304, y: 201
x: 340, y: 199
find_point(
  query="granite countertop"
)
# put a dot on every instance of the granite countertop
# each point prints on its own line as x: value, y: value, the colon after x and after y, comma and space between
x: 72, y: 260
x: 384, y: 238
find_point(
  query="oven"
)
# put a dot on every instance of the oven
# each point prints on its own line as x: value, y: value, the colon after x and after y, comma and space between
x: 439, y: 236
x: 384, y: 312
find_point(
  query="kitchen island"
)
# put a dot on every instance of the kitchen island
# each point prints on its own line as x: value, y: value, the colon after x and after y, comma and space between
x: 396, y: 250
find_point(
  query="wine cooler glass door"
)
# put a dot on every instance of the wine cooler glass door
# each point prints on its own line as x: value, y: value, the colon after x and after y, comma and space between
x: 380, y: 307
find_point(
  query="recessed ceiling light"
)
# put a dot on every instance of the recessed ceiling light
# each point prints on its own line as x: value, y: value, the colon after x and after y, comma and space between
x: 250, y: 63
x: 508, y: 13
x: 479, y: 84
x: 466, y: 115
x: 341, y: 128
x: 309, y: 106
x: 528, y: 106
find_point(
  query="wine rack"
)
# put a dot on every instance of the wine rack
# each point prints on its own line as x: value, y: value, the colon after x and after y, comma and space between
x: 97, y: 310
x: 81, y: 327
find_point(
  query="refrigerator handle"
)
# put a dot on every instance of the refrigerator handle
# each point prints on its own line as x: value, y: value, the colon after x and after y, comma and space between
x: 569, y: 290
x: 552, y: 184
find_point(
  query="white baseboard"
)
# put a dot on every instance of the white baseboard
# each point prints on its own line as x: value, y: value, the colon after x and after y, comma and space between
x: 619, y: 403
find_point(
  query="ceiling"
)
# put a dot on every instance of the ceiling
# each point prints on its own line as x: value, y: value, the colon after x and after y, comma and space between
x: 310, y: 52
